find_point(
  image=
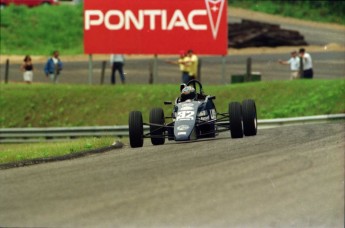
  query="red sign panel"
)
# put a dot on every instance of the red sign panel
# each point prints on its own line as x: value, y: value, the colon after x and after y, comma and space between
x: 155, y: 26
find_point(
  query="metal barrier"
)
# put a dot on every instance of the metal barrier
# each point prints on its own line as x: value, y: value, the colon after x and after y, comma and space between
x: 23, y: 135
x: 20, y: 135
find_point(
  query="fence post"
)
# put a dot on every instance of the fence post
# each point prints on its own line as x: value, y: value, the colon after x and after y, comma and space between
x: 198, y: 71
x: 56, y: 73
x: 90, y: 69
x: 104, y: 63
x: 7, y: 66
x: 301, y: 67
x: 223, y: 68
x: 155, y: 69
x: 249, y: 70
x: 151, y: 72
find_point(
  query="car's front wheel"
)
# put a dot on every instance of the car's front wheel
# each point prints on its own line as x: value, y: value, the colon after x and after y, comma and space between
x: 235, y: 118
x: 136, y: 129
x: 157, y: 132
x: 249, y: 117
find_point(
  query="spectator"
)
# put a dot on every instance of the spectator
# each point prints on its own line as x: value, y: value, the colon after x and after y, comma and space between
x: 192, y: 63
x: 53, y: 67
x: 117, y: 62
x: 307, y: 64
x: 294, y: 65
x: 183, y: 67
x: 27, y: 68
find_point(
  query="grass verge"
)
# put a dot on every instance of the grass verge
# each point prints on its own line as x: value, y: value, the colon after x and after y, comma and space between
x: 10, y: 153
x: 47, y: 105
x: 322, y: 11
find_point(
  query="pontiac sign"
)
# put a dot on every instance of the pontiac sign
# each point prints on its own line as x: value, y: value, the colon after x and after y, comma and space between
x: 155, y: 26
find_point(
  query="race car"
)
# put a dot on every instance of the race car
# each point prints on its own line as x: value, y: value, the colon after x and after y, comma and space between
x: 194, y: 116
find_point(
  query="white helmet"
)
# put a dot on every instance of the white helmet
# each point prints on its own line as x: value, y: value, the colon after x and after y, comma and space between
x: 188, y: 92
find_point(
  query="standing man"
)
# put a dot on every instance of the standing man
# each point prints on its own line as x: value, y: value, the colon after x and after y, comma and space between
x: 53, y: 67
x: 192, y: 63
x: 117, y: 61
x: 183, y: 67
x: 307, y: 64
x: 294, y: 65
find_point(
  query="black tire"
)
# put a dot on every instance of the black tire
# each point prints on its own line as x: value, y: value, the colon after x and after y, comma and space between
x: 249, y: 117
x: 157, y: 117
x: 136, y: 129
x: 235, y: 118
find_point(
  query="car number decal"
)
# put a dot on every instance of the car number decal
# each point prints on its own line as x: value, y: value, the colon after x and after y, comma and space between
x: 185, y: 115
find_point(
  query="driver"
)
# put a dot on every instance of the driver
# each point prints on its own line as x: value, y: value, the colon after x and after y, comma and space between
x: 188, y: 92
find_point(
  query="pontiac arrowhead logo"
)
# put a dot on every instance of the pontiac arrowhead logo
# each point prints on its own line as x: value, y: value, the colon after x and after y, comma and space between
x: 214, y: 11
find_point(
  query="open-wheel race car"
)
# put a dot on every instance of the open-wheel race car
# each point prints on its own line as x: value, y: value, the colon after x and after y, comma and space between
x: 194, y: 116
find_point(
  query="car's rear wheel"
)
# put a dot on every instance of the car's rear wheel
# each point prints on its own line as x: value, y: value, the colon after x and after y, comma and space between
x: 249, y: 117
x: 235, y: 118
x: 157, y: 132
x: 136, y: 129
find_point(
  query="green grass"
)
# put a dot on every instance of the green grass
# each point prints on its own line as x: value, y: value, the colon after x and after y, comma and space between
x: 47, y: 105
x: 41, y: 30
x: 322, y: 11
x: 19, y: 152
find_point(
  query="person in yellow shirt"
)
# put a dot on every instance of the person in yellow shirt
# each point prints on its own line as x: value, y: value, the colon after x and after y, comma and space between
x: 192, y: 62
x: 184, y: 68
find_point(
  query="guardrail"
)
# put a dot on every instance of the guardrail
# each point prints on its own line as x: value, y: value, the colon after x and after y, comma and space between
x: 22, y: 135
x: 299, y: 120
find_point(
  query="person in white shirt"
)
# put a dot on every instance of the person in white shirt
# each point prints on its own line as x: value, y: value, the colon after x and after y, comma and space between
x: 117, y: 62
x: 307, y: 64
x: 294, y: 63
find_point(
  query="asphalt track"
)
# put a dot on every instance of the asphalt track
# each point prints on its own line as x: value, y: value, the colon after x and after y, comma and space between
x: 283, y: 177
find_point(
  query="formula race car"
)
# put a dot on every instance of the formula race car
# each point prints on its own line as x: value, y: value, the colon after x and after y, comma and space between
x: 194, y: 116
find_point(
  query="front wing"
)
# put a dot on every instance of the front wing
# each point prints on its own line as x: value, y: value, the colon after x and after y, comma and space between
x: 221, y: 124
